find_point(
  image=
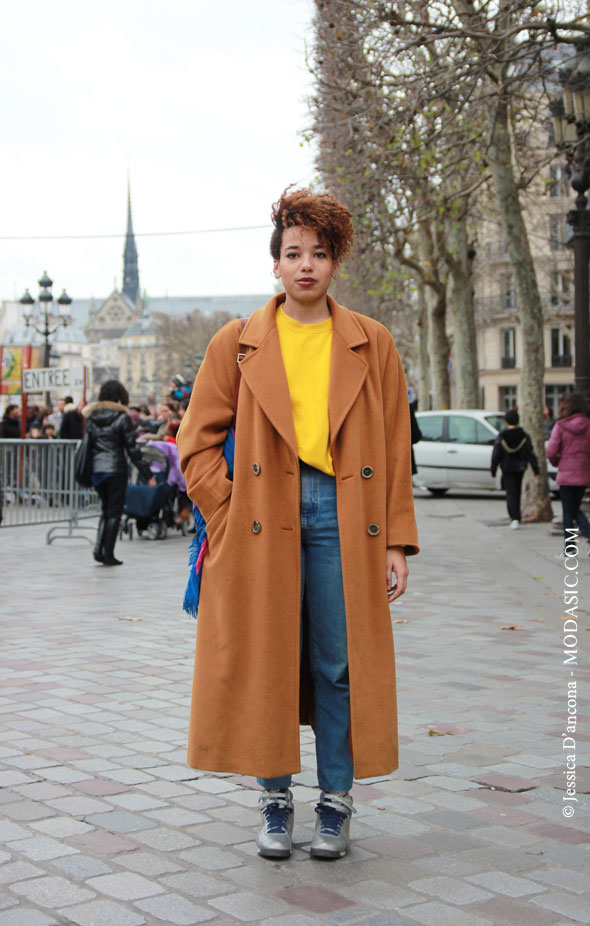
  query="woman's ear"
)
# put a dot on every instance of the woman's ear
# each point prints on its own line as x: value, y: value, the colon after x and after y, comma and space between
x: 275, y: 269
x: 335, y: 269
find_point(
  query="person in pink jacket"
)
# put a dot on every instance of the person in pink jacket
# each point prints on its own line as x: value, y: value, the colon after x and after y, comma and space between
x: 568, y: 448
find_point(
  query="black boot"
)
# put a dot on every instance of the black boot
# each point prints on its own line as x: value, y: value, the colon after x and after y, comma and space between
x: 108, y: 544
x: 98, y: 550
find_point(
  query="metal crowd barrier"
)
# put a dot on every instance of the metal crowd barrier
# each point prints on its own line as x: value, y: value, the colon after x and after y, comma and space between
x: 38, y: 487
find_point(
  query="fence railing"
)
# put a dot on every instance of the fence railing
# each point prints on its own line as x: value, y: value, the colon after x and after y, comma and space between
x: 38, y: 487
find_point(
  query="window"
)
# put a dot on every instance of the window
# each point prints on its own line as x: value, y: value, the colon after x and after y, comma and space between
x: 557, y: 231
x: 558, y: 180
x: 508, y: 291
x: 560, y: 287
x: 465, y: 430
x: 554, y: 395
x: 507, y: 397
x: 508, y: 348
x: 561, y: 348
x: 431, y: 427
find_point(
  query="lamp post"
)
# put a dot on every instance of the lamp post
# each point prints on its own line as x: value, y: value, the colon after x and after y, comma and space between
x: 571, y: 126
x: 40, y: 322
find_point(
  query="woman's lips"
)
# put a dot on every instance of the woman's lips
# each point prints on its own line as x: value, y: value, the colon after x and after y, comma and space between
x: 306, y: 281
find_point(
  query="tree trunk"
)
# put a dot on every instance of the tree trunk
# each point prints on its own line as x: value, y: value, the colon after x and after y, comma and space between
x: 436, y: 303
x: 423, y: 365
x: 465, y: 366
x: 537, y: 506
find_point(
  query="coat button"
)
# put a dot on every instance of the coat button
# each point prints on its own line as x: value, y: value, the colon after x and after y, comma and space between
x: 256, y: 469
x: 256, y: 527
x: 373, y: 529
x: 367, y: 472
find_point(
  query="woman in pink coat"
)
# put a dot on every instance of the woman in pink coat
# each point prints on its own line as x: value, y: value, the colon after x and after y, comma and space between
x: 568, y: 448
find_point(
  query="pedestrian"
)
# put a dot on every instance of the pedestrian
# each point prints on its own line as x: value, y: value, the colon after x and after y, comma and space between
x: 548, y: 422
x: 72, y: 423
x: 569, y: 449
x: 513, y: 451
x: 111, y: 440
x: 307, y: 545
x: 10, y: 424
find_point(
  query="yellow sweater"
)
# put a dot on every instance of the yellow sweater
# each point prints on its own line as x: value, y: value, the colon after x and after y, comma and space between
x: 307, y: 350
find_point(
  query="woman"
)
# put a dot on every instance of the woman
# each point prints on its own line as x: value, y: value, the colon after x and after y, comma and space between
x: 10, y: 424
x: 568, y: 448
x: 111, y: 441
x: 307, y: 546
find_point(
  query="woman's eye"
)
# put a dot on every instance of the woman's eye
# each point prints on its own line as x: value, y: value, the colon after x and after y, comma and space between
x: 320, y: 254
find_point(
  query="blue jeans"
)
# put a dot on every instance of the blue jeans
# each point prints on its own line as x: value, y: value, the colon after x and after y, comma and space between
x: 323, y: 596
x: 571, y: 499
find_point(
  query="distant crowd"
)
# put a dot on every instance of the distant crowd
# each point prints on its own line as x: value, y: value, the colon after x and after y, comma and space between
x: 66, y: 421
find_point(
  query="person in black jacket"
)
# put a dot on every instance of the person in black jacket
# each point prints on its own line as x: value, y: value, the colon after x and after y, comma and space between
x: 111, y: 440
x: 512, y: 452
x: 72, y: 423
x: 10, y: 424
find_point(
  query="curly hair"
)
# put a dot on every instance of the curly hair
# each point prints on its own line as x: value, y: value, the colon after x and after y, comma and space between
x: 573, y: 403
x: 319, y: 211
x: 113, y: 391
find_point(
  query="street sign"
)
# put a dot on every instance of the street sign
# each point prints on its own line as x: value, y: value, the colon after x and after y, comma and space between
x: 49, y: 378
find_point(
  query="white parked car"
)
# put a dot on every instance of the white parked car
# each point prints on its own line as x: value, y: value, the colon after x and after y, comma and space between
x: 455, y: 451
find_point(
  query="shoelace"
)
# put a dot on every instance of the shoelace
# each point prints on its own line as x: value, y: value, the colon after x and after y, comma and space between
x: 277, y: 816
x: 331, y: 820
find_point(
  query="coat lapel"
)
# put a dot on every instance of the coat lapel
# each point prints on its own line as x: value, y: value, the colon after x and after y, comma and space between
x: 348, y: 370
x: 263, y: 371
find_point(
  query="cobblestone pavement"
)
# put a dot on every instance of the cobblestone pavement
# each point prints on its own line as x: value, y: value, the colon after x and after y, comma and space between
x: 103, y: 824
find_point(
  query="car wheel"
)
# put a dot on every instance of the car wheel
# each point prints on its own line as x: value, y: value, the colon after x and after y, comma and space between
x: 437, y: 492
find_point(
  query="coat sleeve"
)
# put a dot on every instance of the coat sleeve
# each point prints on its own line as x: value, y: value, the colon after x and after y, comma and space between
x: 553, y: 449
x: 133, y: 451
x: 204, y: 427
x: 497, y: 454
x: 531, y: 456
x: 401, y: 521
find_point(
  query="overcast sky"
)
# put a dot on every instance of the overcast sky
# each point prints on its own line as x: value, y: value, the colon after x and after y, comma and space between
x: 202, y: 102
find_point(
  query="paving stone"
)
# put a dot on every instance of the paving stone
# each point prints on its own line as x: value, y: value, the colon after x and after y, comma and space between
x: 247, y: 906
x: 503, y: 883
x: 103, y: 843
x: 566, y: 878
x: 52, y: 891
x: 61, y: 827
x: 380, y: 894
x: 200, y: 885
x: 449, y: 889
x: 573, y: 907
x: 565, y: 834
x: 18, y: 871
x: 41, y: 848
x: 125, y: 885
x: 100, y: 787
x: 25, y: 811
x: 78, y: 806
x: 438, y: 914
x: 210, y: 858
x: 25, y: 916
x: 314, y: 898
x: 81, y: 867
x: 176, y: 910
x: 165, y: 840
x: 12, y: 831
x: 147, y: 863
x: 103, y: 913
x: 178, y: 816
x: 224, y: 833
x: 505, y: 911
x: 120, y: 821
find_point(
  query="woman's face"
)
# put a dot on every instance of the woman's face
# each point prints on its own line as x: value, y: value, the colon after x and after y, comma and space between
x: 305, y: 266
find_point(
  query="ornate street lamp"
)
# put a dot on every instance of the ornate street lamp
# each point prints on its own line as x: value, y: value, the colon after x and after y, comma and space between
x: 40, y: 321
x: 571, y: 127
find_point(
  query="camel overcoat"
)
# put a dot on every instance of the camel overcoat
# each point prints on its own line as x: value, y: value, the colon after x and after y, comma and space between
x: 245, y: 713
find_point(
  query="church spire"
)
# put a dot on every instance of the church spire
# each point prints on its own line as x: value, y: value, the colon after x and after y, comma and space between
x: 130, y: 268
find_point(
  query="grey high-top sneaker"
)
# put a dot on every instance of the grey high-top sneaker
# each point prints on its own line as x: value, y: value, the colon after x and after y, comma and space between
x: 332, y: 826
x: 275, y: 836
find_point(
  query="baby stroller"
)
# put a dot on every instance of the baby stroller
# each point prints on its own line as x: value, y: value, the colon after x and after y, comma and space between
x: 152, y: 509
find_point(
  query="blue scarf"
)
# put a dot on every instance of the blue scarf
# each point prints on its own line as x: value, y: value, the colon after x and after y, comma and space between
x: 198, y: 547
